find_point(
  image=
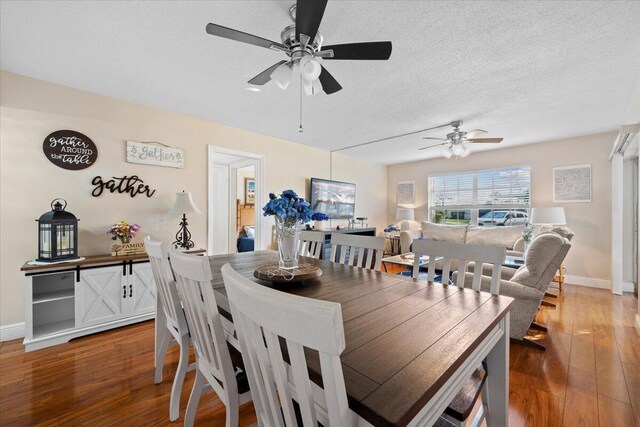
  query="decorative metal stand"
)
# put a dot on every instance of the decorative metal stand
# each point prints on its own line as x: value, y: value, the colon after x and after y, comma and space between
x: 183, y: 236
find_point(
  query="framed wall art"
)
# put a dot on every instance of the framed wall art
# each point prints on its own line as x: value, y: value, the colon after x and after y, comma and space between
x: 572, y: 184
x: 406, y: 193
x: 249, y: 191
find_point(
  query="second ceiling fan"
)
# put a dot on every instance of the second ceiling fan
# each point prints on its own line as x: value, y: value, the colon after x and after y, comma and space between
x: 456, y: 140
x: 302, y: 43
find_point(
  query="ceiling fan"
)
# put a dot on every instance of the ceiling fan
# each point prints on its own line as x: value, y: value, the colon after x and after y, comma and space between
x: 302, y: 43
x: 456, y: 140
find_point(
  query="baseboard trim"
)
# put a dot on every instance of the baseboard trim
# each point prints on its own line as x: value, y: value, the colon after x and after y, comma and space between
x: 588, y: 281
x: 11, y: 332
x: 627, y: 286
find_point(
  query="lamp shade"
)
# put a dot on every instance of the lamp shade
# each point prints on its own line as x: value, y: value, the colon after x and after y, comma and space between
x: 184, y: 204
x: 405, y: 214
x: 550, y: 216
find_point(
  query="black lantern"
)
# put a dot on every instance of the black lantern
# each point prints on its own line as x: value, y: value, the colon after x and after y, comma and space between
x: 58, y: 234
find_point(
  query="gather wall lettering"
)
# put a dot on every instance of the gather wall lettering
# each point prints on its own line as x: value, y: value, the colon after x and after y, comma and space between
x: 131, y: 185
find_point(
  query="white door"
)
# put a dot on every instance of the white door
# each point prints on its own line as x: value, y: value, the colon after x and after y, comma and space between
x: 219, y: 210
x: 100, y: 296
x: 141, y: 290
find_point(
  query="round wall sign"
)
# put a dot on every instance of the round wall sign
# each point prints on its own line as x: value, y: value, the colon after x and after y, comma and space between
x: 69, y: 149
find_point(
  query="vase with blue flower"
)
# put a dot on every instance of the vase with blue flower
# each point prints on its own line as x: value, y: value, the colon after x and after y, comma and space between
x: 319, y: 219
x: 290, y: 212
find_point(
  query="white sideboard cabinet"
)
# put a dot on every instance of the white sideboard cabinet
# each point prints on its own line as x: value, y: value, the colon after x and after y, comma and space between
x: 66, y: 301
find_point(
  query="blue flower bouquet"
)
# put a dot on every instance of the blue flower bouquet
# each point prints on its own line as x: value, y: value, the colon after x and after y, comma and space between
x: 290, y: 212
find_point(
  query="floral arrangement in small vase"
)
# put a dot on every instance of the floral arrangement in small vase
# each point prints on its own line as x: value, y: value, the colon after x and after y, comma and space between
x: 391, y: 229
x: 124, y: 231
x: 290, y: 212
x: 319, y: 219
x: 527, y: 236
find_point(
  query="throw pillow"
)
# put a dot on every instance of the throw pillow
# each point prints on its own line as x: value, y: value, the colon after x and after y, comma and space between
x: 250, y: 231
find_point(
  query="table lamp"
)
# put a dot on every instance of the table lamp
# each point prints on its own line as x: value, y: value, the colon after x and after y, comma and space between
x: 183, y: 205
x: 405, y: 215
x: 547, y: 217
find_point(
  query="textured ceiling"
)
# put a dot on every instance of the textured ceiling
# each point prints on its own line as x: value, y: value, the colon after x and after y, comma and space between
x: 526, y: 71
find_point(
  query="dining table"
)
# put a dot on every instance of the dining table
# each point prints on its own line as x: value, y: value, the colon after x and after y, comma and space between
x: 410, y: 344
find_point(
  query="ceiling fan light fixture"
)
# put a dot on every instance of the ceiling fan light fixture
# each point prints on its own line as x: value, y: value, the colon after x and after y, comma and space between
x: 282, y: 75
x: 310, y: 68
x: 465, y: 153
x: 448, y: 152
x: 311, y: 87
x: 458, y: 150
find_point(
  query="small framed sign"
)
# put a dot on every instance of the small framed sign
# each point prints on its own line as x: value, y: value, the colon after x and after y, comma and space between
x: 121, y: 249
x: 154, y: 153
x: 249, y: 191
x: 70, y: 150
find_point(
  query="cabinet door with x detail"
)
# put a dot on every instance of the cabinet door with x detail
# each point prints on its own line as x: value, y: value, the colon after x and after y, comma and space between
x: 101, y: 296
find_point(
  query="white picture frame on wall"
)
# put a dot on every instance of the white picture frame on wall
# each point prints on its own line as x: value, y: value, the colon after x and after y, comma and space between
x: 406, y: 193
x: 572, y: 184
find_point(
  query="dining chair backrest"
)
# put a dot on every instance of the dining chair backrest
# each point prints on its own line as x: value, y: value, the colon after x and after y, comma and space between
x: 166, y: 285
x: 357, y: 247
x: 311, y: 243
x: 302, y: 323
x: 193, y: 276
x: 464, y: 254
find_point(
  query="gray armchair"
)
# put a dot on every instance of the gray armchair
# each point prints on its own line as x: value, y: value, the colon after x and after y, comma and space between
x: 518, y: 250
x: 529, y: 283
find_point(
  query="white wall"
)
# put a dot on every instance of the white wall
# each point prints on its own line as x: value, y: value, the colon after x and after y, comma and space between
x: 591, y: 247
x: 31, y: 109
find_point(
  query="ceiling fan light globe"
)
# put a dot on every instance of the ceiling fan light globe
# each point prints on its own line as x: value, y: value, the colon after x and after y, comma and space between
x: 448, y: 153
x: 458, y: 150
x: 310, y: 68
x: 311, y: 88
x: 465, y: 153
x: 282, y: 76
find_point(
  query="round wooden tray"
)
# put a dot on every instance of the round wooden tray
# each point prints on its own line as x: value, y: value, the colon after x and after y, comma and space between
x: 272, y: 272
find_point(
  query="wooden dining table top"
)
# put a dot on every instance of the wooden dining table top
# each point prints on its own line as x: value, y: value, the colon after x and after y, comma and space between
x: 404, y: 337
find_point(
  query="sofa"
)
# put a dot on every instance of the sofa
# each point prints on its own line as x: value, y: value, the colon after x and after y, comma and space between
x: 509, y: 237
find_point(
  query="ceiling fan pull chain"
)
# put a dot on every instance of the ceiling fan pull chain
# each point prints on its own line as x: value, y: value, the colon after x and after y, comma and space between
x: 300, y: 128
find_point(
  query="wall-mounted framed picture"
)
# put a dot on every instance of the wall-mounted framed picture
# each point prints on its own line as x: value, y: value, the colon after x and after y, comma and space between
x: 406, y: 193
x: 572, y: 184
x: 249, y: 191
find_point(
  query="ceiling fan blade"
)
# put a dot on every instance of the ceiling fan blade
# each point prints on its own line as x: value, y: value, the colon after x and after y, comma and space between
x: 239, y: 36
x: 431, y: 146
x: 329, y: 84
x: 367, y: 50
x: 485, y: 140
x: 308, y: 17
x: 265, y: 76
x: 475, y: 133
x: 433, y: 137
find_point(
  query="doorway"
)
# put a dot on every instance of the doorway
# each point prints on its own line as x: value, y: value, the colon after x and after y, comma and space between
x: 235, y: 195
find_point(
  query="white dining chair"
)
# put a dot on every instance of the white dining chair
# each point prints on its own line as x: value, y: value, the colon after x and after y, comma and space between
x: 175, y: 329
x: 372, y: 246
x: 302, y: 323
x: 445, y: 252
x: 214, y: 365
x: 459, y: 410
x: 311, y: 243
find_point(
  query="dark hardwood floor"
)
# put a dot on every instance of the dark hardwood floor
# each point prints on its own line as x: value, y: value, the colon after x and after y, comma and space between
x: 589, y: 375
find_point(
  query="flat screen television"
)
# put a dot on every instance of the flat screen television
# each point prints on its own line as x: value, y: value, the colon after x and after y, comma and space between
x: 335, y: 199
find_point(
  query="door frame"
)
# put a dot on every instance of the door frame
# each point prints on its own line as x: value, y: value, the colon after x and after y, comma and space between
x: 212, y: 150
